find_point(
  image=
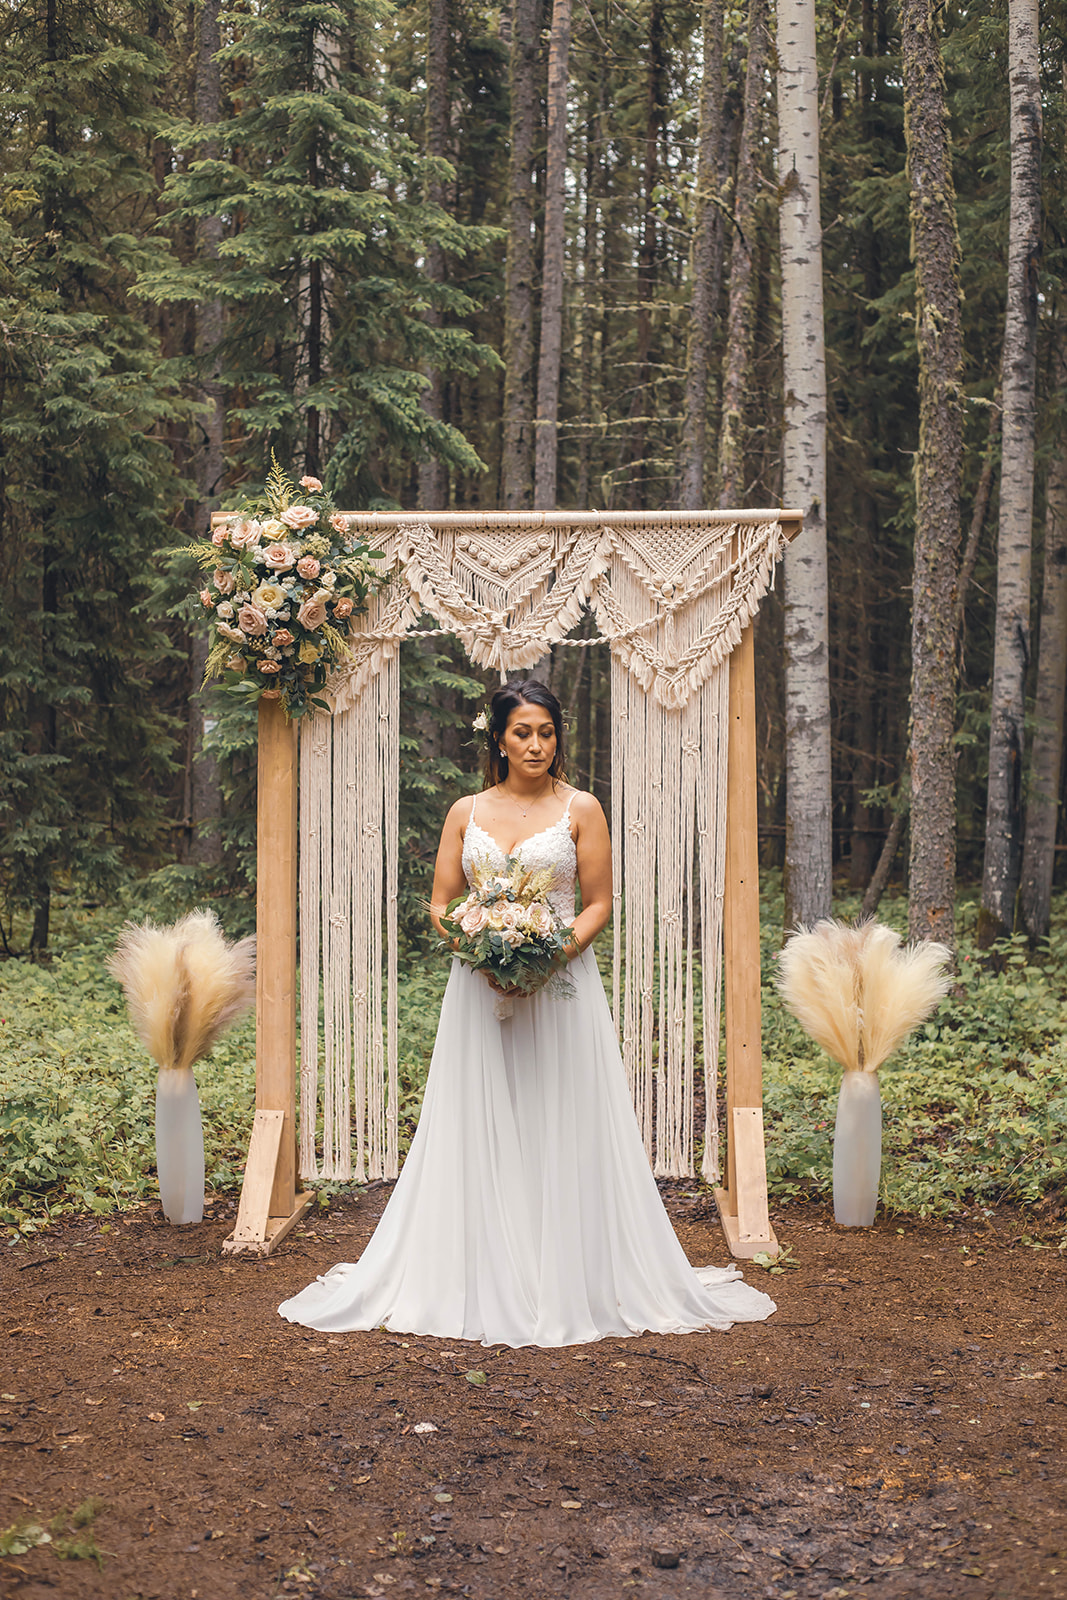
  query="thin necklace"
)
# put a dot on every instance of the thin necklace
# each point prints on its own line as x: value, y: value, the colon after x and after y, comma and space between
x: 526, y: 809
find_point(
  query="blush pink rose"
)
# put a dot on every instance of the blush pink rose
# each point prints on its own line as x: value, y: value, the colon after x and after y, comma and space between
x: 206, y: 599
x: 308, y: 567
x: 251, y: 620
x: 236, y: 664
x: 342, y: 607
x: 312, y: 485
x: 278, y: 557
x: 283, y: 637
x: 271, y: 694
x: 224, y: 581
x: 245, y: 533
x: 234, y: 635
x: 339, y: 523
x: 473, y: 921
x: 300, y: 517
x: 511, y: 915
x: 312, y: 613
x: 218, y: 536
x: 269, y: 666
x: 539, y: 918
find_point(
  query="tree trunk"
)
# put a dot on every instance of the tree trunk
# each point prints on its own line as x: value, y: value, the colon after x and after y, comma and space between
x: 1046, y: 754
x: 938, y: 466
x: 706, y: 264
x: 739, y: 318
x: 807, y: 685
x: 204, y: 790
x: 642, y: 403
x: 591, y: 302
x: 1011, y: 643
x: 518, y: 288
x: 433, y: 474
x: 546, y: 449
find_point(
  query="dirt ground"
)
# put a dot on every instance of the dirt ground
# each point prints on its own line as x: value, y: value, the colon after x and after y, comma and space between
x: 898, y: 1428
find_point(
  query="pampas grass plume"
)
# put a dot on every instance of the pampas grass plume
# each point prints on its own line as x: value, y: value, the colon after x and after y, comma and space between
x: 184, y: 985
x: 858, y: 991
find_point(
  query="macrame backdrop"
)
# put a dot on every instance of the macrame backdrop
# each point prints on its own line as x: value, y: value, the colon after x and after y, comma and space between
x: 671, y: 594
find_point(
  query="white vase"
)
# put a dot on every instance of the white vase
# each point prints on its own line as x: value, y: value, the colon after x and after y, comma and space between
x: 179, y: 1146
x: 857, y: 1150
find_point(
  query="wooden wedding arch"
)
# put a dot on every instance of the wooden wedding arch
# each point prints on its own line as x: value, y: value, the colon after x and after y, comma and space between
x: 271, y: 1201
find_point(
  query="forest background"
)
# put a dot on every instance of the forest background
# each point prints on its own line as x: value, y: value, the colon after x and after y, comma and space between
x: 454, y: 255
x: 352, y: 231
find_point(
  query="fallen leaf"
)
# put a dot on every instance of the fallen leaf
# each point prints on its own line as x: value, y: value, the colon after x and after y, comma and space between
x: 571, y: 1505
x: 156, y: 1416
x: 364, y: 1479
x: 443, y: 1498
x: 424, y: 1427
x: 194, y: 1405
x: 477, y: 1378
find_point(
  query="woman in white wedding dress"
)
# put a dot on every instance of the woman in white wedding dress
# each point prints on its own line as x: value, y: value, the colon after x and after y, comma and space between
x: 526, y: 1211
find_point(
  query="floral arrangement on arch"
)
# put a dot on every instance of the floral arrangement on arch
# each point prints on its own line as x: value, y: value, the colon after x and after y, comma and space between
x: 288, y: 578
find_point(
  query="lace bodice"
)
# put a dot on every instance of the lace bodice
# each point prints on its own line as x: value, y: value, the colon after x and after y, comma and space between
x: 553, y: 847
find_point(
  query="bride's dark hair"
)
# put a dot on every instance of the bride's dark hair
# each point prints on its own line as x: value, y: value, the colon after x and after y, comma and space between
x: 526, y: 692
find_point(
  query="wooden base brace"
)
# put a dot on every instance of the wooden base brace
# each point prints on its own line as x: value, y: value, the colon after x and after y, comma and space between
x: 256, y: 1231
x: 743, y: 1214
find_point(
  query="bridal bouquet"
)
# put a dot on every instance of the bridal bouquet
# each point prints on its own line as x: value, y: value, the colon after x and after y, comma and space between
x: 288, y: 579
x: 506, y: 927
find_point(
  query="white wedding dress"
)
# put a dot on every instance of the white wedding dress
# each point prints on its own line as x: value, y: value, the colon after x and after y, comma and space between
x: 526, y: 1211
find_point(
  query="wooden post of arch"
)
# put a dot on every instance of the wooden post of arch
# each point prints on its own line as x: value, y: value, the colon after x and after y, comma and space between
x: 270, y: 1205
x: 742, y: 1200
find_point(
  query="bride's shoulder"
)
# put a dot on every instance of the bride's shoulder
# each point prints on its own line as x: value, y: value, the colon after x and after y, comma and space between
x: 583, y: 805
x: 459, y: 812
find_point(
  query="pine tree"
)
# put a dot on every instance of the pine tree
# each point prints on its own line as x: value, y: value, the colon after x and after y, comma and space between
x: 85, y: 749
x: 325, y: 224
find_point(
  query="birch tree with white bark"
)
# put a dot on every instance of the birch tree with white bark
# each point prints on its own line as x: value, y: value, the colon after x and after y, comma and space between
x: 546, y: 442
x: 807, y: 683
x: 1011, y: 643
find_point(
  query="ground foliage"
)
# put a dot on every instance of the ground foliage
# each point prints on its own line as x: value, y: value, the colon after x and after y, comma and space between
x: 975, y: 1103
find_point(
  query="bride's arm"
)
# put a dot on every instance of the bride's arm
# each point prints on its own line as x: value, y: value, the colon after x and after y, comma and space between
x: 448, y: 879
x: 593, y: 846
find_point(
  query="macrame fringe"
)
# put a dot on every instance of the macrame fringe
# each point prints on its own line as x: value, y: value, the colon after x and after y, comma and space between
x: 672, y: 599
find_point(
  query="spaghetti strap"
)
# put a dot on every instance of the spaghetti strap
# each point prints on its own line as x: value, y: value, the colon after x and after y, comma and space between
x: 566, y: 817
x: 474, y: 802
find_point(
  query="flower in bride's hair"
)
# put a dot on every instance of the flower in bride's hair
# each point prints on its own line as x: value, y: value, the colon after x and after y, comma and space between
x: 481, y: 722
x: 474, y: 920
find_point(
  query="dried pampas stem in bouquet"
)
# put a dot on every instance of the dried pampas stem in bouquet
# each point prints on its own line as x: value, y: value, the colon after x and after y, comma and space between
x: 859, y: 991
x: 184, y: 986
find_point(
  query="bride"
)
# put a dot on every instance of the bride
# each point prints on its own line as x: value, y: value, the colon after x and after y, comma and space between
x: 526, y: 1211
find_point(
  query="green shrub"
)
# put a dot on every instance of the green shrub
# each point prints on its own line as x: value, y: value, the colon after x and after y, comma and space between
x: 975, y: 1102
